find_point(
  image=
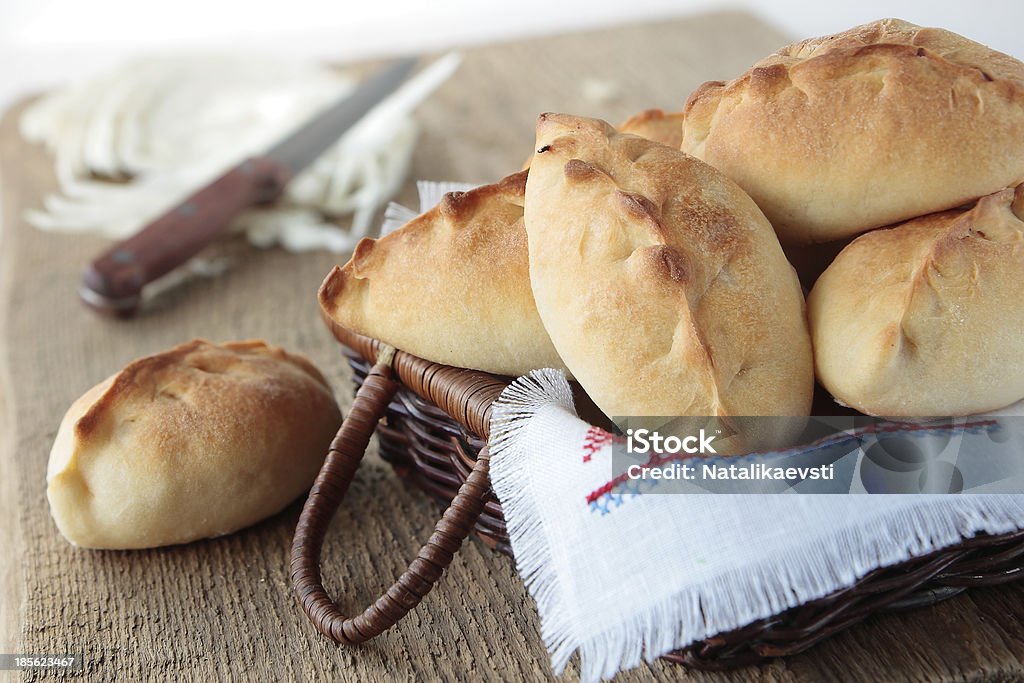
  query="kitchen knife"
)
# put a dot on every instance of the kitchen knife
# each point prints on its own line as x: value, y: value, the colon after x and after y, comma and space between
x: 113, y: 283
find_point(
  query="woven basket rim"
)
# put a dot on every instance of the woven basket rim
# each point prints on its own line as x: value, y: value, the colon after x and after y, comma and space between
x: 464, y: 395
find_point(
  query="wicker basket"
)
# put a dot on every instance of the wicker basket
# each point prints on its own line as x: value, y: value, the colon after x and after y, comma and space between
x: 434, y: 434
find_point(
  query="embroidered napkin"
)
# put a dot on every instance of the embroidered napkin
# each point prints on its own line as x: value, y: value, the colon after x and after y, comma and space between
x: 621, y: 575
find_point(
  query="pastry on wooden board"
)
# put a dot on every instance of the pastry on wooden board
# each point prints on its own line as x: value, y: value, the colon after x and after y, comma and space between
x: 198, y: 441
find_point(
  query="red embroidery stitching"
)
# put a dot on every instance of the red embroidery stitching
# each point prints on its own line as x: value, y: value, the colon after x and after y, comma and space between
x: 595, y: 439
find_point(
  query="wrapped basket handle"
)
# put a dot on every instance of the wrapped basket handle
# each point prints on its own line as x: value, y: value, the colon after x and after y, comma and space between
x: 343, y: 458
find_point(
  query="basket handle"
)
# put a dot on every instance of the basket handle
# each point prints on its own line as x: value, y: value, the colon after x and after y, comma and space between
x: 343, y: 458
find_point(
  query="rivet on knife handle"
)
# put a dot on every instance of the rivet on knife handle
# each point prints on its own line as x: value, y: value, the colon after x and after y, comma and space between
x: 113, y: 283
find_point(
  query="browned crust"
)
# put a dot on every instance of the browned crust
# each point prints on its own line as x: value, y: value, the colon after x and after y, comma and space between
x: 330, y: 288
x: 646, y: 116
x: 138, y: 371
x: 451, y: 286
x: 456, y: 207
x: 459, y: 206
x: 838, y: 135
x: 656, y: 125
x: 844, y: 52
x: 580, y: 171
x: 840, y: 53
x: 606, y: 208
x: 910, y: 40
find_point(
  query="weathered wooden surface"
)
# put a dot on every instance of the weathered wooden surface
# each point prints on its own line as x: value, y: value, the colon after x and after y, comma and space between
x: 222, y: 609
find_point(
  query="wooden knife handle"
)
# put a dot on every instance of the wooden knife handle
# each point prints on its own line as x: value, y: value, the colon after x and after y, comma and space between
x: 113, y: 283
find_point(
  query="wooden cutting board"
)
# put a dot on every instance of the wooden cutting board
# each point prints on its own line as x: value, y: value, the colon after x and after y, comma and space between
x: 223, y: 609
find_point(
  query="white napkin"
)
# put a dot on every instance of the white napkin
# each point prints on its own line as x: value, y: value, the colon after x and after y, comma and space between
x: 620, y: 576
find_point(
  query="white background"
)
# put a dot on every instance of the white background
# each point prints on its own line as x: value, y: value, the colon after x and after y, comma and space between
x: 45, y: 42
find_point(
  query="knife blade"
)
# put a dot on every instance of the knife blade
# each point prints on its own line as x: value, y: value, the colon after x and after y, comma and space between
x: 113, y: 283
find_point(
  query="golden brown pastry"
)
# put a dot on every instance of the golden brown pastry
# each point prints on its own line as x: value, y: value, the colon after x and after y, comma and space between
x: 925, y: 319
x: 451, y: 286
x: 888, y: 121
x: 197, y: 441
x: 660, y: 282
x: 656, y: 125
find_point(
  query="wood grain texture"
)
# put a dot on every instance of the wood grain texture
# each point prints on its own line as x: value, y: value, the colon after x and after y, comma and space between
x: 223, y: 609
